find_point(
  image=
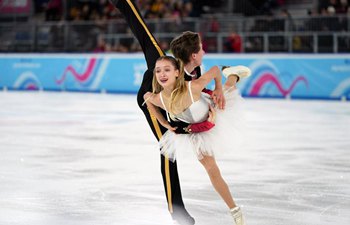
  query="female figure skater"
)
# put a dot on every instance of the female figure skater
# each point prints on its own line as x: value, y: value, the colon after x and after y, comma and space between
x: 184, y: 100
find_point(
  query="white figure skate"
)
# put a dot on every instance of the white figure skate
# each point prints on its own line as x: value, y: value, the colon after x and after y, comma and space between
x: 237, y: 216
x: 240, y: 71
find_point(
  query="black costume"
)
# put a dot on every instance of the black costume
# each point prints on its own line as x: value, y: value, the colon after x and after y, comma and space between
x: 152, y: 52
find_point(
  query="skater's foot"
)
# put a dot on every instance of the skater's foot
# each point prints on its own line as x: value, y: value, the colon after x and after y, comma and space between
x: 182, y: 217
x: 237, y: 216
x: 238, y: 71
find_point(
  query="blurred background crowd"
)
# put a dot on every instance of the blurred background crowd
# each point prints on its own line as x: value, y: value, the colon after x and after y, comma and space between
x: 76, y: 10
x: 225, y: 25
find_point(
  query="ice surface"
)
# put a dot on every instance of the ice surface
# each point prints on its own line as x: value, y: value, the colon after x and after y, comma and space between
x: 76, y: 158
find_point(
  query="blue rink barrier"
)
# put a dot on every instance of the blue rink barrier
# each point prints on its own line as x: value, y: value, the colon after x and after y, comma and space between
x: 273, y: 75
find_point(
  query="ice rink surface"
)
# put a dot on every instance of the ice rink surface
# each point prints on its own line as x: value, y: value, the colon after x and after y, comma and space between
x: 90, y: 159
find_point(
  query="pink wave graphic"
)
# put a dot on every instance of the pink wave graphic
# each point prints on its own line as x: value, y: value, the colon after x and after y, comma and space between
x: 80, y: 77
x: 271, y: 78
x: 32, y: 87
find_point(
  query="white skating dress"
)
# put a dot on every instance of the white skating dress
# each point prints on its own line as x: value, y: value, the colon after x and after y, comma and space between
x: 220, y: 138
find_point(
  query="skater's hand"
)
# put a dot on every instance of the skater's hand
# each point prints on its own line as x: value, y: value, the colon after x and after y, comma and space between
x: 219, y: 98
x: 212, y: 114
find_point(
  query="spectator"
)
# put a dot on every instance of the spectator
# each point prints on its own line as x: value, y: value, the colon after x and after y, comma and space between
x: 214, y: 25
x: 287, y: 18
x: 313, y: 23
x: 330, y: 6
x: 177, y: 9
x: 187, y: 9
x: 101, y: 45
x: 233, y: 43
x: 343, y: 7
x: 86, y: 12
x: 54, y: 10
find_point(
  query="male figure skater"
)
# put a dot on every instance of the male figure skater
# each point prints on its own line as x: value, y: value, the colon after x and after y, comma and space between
x: 152, y: 52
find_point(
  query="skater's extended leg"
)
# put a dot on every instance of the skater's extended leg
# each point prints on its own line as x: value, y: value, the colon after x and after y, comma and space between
x: 221, y: 187
x: 149, y: 44
x: 152, y: 52
x: 217, y: 181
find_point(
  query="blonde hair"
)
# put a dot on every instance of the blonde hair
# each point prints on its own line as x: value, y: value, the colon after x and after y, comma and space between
x: 180, y: 85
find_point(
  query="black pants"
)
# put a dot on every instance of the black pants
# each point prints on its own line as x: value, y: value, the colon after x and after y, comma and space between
x: 152, y: 52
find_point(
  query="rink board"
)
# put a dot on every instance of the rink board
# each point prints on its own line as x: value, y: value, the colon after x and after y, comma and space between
x: 276, y: 76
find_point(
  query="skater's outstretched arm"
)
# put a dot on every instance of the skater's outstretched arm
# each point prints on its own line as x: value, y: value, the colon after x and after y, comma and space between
x: 153, y: 104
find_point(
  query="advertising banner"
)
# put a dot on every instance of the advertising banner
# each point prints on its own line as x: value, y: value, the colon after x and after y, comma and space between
x: 277, y: 76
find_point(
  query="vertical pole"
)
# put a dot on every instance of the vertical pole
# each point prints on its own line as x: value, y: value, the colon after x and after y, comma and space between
x: 335, y: 43
x: 290, y: 41
x: 315, y: 43
x: 266, y: 42
x: 65, y: 9
x: 219, y: 42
